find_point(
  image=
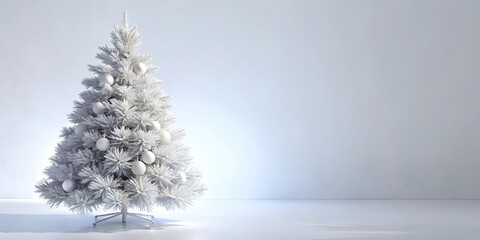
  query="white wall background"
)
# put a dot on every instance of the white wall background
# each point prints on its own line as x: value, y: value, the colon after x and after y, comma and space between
x: 280, y: 99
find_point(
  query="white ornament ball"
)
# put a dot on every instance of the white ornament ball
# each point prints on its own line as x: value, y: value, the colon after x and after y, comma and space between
x: 138, y: 168
x: 107, y: 89
x: 80, y: 129
x: 183, y: 177
x: 68, y: 185
x: 155, y: 126
x: 165, y: 137
x: 148, y: 157
x: 106, y: 79
x: 99, y: 108
x: 103, y: 144
x: 139, y: 68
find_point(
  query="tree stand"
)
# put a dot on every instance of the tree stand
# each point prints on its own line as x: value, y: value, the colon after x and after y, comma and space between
x: 124, y: 213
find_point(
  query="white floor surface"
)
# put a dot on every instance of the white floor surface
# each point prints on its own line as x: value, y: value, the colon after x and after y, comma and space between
x: 251, y: 220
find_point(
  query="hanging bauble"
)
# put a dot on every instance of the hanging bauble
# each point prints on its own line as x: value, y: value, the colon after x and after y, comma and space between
x: 155, y: 126
x: 103, y: 144
x: 80, y: 129
x: 107, y: 89
x: 98, y: 108
x: 183, y: 177
x: 148, y: 157
x: 68, y: 185
x: 165, y: 137
x: 105, y: 78
x: 138, y: 168
x: 139, y: 68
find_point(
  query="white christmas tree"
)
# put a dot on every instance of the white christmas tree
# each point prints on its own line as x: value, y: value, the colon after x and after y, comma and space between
x: 122, y: 151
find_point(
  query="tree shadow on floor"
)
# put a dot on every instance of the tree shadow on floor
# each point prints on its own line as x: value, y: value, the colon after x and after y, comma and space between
x: 30, y: 223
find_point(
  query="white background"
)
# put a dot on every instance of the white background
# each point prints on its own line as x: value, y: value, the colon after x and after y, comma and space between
x: 280, y: 99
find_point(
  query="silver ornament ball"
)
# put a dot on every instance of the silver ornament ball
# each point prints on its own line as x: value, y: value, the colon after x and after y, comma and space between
x: 140, y: 68
x: 103, y: 144
x: 107, y: 89
x: 138, y: 168
x: 148, y: 157
x: 98, y: 108
x: 106, y: 78
x: 165, y: 137
x: 68, y: 185
x: 155, y: 126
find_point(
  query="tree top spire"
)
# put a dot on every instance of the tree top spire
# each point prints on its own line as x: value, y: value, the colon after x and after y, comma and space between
x: 125, y: 18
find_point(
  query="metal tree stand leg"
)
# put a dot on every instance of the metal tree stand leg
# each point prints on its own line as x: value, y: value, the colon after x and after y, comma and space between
x: 124, y: 213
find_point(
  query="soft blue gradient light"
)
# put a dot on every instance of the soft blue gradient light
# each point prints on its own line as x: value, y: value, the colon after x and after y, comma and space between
x: 280, y: 99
